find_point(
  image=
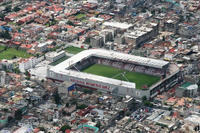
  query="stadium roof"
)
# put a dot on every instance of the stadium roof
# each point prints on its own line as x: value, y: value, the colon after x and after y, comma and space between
x: 62, y: 67
x: 112, y: 55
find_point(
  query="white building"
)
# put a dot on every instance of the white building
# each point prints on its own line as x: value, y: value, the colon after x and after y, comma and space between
x: 42, y: 47
x: 123, y: 26
x: 24, y: 129
x: 54, y: 56
x: 26, y: 64
x: 2, y: 78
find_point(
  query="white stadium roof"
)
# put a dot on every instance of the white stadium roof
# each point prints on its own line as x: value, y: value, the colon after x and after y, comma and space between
x: 111, y: 55
x: 62, y: 67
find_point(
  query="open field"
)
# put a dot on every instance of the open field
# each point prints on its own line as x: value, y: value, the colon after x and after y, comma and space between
x: 73, y: 50
x: 59, y: 61
x: 80, y: 16
x: 2, y: 47
x: 10, y: 53
x: 107, y: 71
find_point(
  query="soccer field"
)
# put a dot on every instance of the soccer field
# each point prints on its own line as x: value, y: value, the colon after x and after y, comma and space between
x: 73, y: 50
x: 2, y: 47
x: 59, y: 61
x: 107, y: 71
x: 12, y: 52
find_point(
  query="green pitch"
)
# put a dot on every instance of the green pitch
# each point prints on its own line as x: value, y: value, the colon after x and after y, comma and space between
x: 73, y: 50
x: 140, y: 79
x: 59, y: 61
x: 10, y: 53
x: 80, y: 16
x: 2, y: 47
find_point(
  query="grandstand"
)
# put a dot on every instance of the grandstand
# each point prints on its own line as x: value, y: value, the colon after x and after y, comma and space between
x: 112, y: 72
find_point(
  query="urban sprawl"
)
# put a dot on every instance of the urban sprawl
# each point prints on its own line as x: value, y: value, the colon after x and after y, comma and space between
x: 99, y: 66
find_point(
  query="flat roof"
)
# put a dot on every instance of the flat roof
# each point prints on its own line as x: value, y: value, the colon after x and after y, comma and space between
x: 118, y: 25
x: 62, y: 67
x: 44, y: 43
x: 54, y: 54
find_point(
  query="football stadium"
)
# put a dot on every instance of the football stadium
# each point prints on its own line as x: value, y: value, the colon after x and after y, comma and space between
x: 117, y: 73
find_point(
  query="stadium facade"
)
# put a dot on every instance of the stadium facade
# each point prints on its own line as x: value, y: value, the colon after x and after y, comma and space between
x: 70, y: 70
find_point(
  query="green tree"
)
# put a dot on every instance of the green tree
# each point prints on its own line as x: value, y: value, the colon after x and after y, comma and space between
x: 98, y: 124
x: 2, y: 16
x: 89, y: 91
x: 5, y: 34
x: 18, y: 114
x: 70, y: 23
x: 170, y: 108
x: 82, y: 106
x: 67, y: 105
x: 10, y: 118
x: 148, y: 103
x: 42, y: 129
x: 57, y: 98
x: 87, y: 40
x: 27, y: 73
x: 54, y: 43
x: 8, y: 8
x: 16, y: 70
x: 73, y: 102
x: 6, y: 47
x: 16, y: 9
x: 144, y: 98
x: 163, y: 38
x: 64, y: 128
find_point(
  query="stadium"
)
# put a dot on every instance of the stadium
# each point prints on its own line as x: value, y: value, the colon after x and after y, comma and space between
x: 117, y: 73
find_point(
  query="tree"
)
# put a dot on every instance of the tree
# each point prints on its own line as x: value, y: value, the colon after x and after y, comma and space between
x: 5, y: 109
x: 87, y: 40
x: 10, y: 118
x: 163, y: 38
x: 5, y: 34
x: 42, y: 129
x: 28, y: 76
x: 2, y: 16
x: 148, y: 103
x: 8, y: 8
x: 67, y: 105
x: 181, y: 18
x: 89, y: 91
x: 16, y: 70
x: 82, y: 106
x: 14, y: 57
x: 54, y: 43
x: 16, y: 9
x: 73, y: 102
x: 70, y: 23
x: 153, y: 12
x: 64, y: 113
x: 144, y: 98
x: 18, y: 114
x: 170, y: 108
x: 6, y: 47
x: 57, y: 98
x: 64, y: 128
x: 98, y: 124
